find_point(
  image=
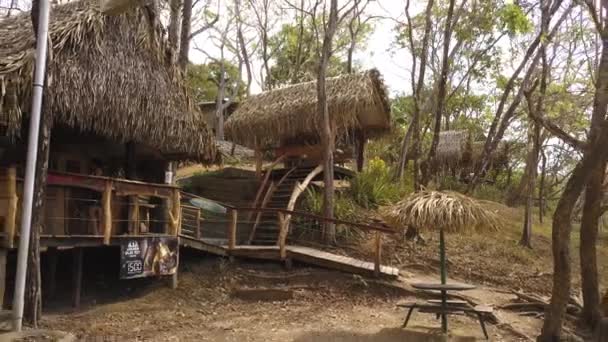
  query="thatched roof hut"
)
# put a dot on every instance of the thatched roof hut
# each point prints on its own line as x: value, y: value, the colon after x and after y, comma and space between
x: 108, y: 75
x: 453, y: 147
x: 457, y: 149
x: 356, y: 101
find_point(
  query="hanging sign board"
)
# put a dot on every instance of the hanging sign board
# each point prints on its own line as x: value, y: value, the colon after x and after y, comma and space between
x: 148, y: 256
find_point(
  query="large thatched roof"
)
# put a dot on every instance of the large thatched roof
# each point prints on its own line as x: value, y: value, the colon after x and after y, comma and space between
x: 356, y: 101
x: 108, y: 75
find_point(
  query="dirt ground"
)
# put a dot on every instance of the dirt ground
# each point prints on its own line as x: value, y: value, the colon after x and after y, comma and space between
x: 326, y: 306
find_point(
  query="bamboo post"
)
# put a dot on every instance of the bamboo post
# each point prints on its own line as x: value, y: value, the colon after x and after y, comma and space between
x: 175, y: 213
x: 12, y: 206
x: 232, y: 229
x: 198, y: 224
x: 107, y: 212
x: 281, y: 241
x: 378, y: 254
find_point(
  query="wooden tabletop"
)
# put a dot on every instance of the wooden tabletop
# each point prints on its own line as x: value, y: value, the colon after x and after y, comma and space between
x: 443, y: 287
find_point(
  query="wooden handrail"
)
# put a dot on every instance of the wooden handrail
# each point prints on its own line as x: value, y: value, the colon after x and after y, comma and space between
x: 383, y: 229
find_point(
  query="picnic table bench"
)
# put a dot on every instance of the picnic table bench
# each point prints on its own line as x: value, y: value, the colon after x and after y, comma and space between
x: 442, y: 307
x: 450, y: 307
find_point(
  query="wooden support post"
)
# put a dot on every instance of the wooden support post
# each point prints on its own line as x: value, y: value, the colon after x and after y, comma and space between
x: 378, y: 254
x: 282, y: 239
x: 3, y: 253
x: 360, y: 146
x: 11, y: 219
x: 175, y: 213
x: 175, y: 276
x: 51, y: 283
x: 198, y: 224
x: 77, y: 276
x: 134, y: 215
x: 258, y: 161
x: 232, y: 229
x: 106, y: 200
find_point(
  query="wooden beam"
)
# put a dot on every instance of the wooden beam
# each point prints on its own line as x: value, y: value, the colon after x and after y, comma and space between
x: 3, y: 253
x: 232, y: 229
x: 282, y: 239
x: 360, y: 145
x: 77, y: 277
x: 198, y: 224
x: 258, y: 161
x: 258, y: 215
x: 51, y: 282
x: 263, y: 184
x: 106, y: 200
x: 298, y: 189
x: 175, y: 213
x: 134, y: 214
x: 11, y: 217
x: 378, y: 254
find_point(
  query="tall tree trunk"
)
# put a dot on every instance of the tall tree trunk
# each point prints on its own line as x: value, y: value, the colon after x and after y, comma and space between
x: 184, y: 41
x: 588, y: 253
x: 174, y: 27
x: 541, y: 187
x: 562, y: 228
x: 33, y: 293
x: 594, y: 158
x: 441, y: 93
x: 531, y: 166
x: 328, y: 129
x: 592, y: 211
x: 417, y: 86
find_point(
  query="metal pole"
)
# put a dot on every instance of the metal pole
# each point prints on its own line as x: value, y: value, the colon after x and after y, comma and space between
x: 30, y: 166
x: 444, y: 295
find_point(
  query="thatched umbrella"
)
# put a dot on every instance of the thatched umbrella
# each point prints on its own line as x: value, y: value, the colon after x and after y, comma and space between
x: 443, y: 211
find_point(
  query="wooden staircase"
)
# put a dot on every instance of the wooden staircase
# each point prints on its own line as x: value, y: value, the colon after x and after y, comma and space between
x: 286, y: 179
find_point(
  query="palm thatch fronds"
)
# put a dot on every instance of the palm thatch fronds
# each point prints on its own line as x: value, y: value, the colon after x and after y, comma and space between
x: 450, y: 211
x: 109, y: 75
x: 453, y: 147
x: 356, y: 101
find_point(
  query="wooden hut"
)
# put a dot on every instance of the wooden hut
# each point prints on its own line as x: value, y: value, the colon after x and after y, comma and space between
x: 120, y: 114
x: 286, y: 120
x: 458, y: 153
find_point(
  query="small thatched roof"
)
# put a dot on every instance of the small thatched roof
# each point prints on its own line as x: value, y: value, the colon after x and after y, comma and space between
x: 447, y: 210
x: 356, y: 101
x: 453, y: 147
x: 108, y: 75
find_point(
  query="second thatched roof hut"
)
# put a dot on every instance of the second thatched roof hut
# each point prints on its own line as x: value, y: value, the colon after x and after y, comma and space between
x: 282, y: 116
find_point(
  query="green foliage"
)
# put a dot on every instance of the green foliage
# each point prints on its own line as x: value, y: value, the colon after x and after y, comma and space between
x: 514, y: 20
x: 203, y: 80
x: 375, y: 187
x: 296, y: 57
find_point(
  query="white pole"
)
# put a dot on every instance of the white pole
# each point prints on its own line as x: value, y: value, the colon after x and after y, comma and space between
x: 30, y: 166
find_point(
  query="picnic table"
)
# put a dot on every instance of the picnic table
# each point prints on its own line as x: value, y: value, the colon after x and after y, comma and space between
x: 443, y: 307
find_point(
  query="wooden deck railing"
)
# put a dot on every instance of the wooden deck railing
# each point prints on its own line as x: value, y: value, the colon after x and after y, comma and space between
x: 234, y: 213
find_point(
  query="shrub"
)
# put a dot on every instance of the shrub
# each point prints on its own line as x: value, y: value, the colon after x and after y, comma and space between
x: 375, y: 187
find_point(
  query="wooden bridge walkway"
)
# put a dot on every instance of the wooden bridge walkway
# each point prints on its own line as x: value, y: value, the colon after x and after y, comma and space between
x: 301, y: 254
x: 228, y: 235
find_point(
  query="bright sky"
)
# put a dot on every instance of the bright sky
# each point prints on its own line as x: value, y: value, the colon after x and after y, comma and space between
x: 379, y: 53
